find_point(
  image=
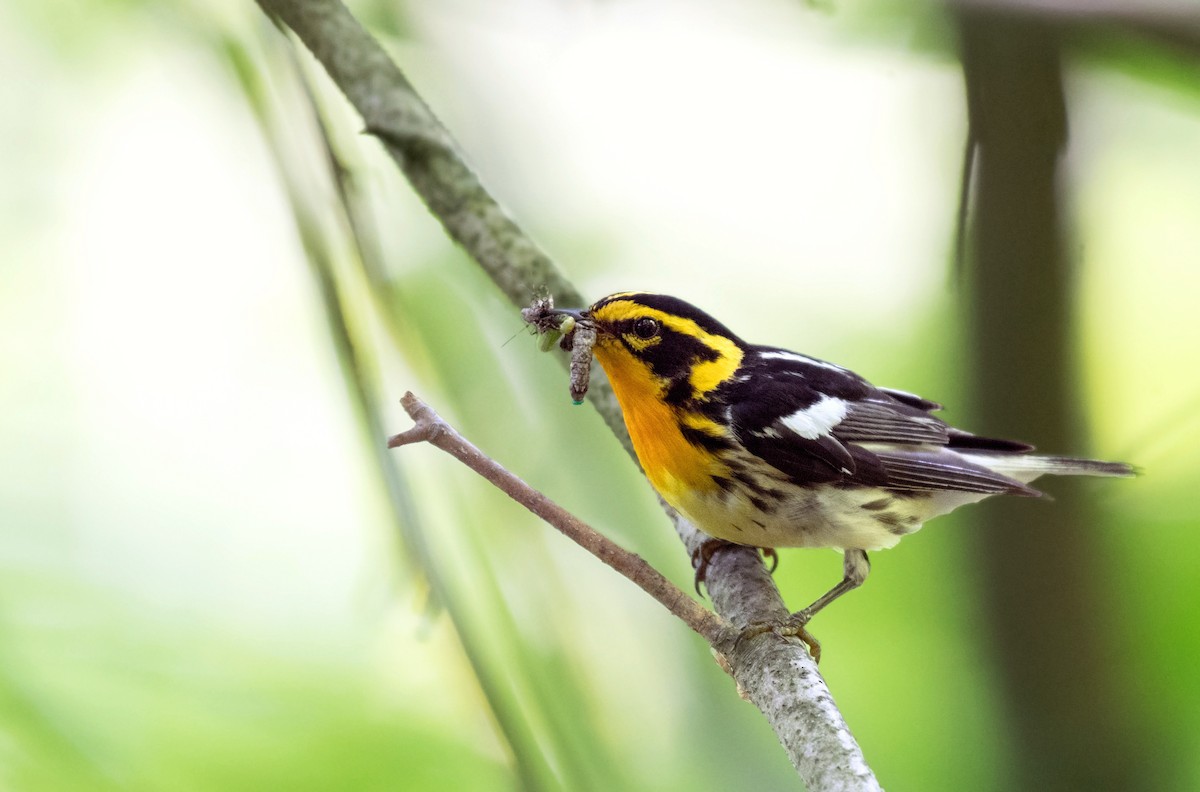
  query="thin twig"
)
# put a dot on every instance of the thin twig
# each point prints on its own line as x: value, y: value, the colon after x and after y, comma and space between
x: 966, y: 179
x: 430, y: 428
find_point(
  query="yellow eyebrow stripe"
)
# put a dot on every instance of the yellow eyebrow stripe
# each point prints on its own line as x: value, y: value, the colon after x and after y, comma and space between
x: 706, y: 375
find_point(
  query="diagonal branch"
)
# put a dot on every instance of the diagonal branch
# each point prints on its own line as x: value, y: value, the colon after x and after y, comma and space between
x: 431, y: 429
x: 422, y: 147
x: 777, y: 675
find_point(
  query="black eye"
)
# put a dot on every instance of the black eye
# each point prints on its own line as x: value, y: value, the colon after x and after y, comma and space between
x: 645, y: 328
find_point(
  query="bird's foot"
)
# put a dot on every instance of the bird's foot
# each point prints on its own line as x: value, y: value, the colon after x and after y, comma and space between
x: 793, y: 626
x: 702, y: 557
x: 708, y: 548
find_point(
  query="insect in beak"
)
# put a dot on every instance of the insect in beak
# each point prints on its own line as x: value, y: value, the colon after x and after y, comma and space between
x: 577, y: 334
x: 573, y: 313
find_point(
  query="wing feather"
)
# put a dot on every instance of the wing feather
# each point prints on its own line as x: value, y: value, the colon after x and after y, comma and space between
x: 884, y: 438
x: 945, y: 470
x: 874, y: 420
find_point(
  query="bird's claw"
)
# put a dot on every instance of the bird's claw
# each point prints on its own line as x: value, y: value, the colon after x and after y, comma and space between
x: 707, y: 549
x: 703, y: 555
x: 792, y: 627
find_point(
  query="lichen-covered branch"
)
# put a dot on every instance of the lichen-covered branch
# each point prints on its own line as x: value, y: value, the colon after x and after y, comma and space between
x: 776, y: 674
x: 422, y: 147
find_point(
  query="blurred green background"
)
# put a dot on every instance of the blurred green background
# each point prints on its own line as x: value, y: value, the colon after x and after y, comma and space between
x: 215, y: 290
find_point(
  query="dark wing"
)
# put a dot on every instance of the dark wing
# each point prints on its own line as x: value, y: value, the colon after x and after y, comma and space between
x: 778, y: 384
x: 880, y: 418
x: 820, y: 423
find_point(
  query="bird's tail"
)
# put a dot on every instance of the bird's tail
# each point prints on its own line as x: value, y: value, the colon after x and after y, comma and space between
x: 1027, y: 467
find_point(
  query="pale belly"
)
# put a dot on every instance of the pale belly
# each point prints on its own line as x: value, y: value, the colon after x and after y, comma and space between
x: 820, y: 515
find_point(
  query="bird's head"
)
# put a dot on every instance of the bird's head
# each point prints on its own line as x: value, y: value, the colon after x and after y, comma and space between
x: 662, y: 341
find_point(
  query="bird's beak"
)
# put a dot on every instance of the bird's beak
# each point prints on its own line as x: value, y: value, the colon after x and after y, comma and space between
x: 575, y: 314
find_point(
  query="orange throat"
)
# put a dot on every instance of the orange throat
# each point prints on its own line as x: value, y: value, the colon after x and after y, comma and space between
x: 674, y: 466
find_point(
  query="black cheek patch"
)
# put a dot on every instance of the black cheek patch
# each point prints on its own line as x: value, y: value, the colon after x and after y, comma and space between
x: 679, y: 391
x: 704, y: 440
x: 674, y: 356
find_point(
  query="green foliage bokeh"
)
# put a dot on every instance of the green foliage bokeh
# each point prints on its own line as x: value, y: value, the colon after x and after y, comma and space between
x: 211, y: 576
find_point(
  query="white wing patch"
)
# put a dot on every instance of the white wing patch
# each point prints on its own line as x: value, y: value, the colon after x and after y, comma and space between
x: 798, y: 358
x: 818, y: 419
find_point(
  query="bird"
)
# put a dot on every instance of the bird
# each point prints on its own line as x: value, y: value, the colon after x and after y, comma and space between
x: 764, y: 447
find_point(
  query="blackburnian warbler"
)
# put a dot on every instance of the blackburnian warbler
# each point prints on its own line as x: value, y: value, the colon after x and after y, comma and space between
x: 764, y: 447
